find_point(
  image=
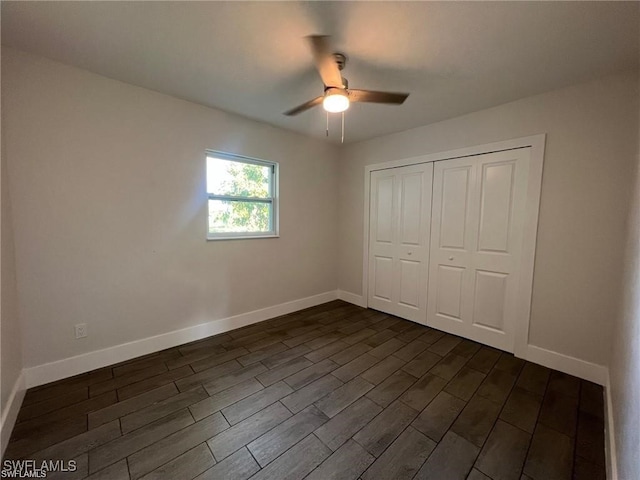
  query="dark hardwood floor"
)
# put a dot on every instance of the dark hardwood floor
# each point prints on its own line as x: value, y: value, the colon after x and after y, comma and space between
x: 331, y: 392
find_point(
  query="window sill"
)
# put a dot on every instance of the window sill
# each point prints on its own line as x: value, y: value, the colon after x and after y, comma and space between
x: 241, y: 237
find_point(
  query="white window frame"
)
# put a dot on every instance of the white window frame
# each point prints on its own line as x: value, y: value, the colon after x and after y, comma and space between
x: 273, y: 232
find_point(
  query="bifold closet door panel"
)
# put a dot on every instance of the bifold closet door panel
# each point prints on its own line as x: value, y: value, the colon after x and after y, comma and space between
x: 476, y: 240
x: 399, y: 233
x: 451, y: 244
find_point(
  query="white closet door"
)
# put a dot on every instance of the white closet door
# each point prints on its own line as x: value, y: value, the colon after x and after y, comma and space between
x: 476, y: 241
x: 400, y: 216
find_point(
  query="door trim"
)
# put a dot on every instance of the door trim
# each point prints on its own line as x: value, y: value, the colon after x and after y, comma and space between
x: 534, y: 186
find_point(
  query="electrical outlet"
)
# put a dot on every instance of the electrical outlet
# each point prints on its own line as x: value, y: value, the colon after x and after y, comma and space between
x: 81, y: 330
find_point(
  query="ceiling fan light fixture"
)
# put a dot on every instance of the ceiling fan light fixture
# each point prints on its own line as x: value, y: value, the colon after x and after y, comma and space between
x: 337, y: 94
x: 335, y: 100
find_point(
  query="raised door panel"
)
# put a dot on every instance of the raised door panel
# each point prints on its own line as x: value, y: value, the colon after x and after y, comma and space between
x: 411, y: 214
x: 410, y: 284
x: 449, y: 287
x: 496, y: 206
x: 454, y: 207
x: 384, y: 211
x: 489, y: 300
x: 383, y: 278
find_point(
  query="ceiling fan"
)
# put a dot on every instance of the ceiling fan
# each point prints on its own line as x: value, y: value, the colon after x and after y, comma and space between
x: 337, y: 94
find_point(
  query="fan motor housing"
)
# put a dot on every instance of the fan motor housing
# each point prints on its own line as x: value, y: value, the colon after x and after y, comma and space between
x: 341, y: 59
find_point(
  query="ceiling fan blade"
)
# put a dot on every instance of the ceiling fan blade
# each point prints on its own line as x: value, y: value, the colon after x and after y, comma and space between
x: 304, y: 106
x: 325, y: 62
x: 371, y: 96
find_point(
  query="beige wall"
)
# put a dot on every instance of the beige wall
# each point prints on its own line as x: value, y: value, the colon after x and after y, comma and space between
x: 624, y: 369
x: 591, y: 138
x: 10, y: 335
x: 109, y: 202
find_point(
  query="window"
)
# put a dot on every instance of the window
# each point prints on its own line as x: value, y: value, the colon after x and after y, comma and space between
x: 242, y: 197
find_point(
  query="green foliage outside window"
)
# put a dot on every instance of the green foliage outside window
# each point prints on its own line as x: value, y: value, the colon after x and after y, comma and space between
x: 244, y: 180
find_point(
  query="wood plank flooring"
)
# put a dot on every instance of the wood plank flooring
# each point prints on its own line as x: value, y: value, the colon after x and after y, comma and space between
x: 331, y: 392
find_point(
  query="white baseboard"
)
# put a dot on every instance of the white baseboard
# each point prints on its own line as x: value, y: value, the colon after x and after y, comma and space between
x: 609, y: 433
x: 11, y: 410
x: 71, y: 366
x: 352, y: 298
x: 573, y: 366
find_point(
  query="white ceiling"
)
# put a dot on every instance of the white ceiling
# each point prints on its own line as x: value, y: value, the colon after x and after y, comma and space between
x: 251, y: 58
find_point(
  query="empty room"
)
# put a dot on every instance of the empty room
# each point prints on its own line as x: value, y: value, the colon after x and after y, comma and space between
x: 320, y: 240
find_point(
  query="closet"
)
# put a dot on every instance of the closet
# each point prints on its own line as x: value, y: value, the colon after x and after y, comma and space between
x: 446, y: 243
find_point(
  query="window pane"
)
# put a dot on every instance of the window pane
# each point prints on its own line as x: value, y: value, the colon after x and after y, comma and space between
x: 244, y: 217
x: 226, y: 177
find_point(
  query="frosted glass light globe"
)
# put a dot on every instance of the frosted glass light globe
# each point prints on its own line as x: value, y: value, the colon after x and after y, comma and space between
x: 335, y: 101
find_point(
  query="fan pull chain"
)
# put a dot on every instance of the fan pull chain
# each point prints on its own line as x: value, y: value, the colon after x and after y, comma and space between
x: 327, y: 124
x: 342, y: 127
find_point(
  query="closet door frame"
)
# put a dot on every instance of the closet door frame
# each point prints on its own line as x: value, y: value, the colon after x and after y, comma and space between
x: 534, y: 185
